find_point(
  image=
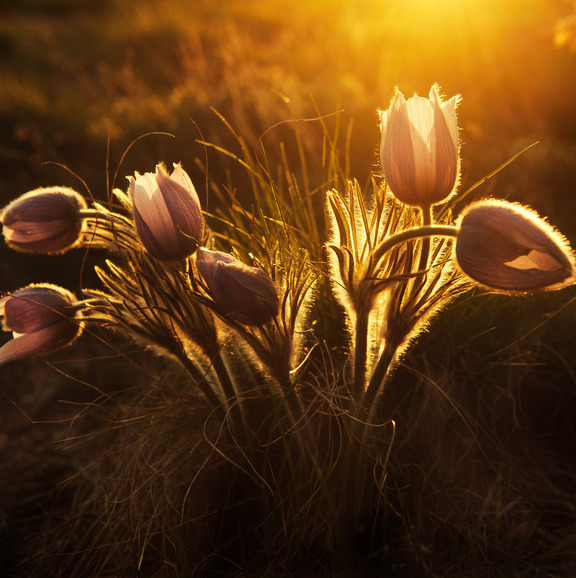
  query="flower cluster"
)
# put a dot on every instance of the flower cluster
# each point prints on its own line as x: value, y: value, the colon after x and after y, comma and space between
x: 167, y: 223
x: 237, y: 309
x: 406, y: 262
x: 500, y: 245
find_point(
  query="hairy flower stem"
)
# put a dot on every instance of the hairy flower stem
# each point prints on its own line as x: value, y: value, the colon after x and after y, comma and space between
x: 238, y: 427
x: 300, y: 426
x: 355, y: 458
x: 426, y: 222
x: 200, y: 380
x: 108, y: 216
x: 379, y: 376
x: 426, y: 231
x: 360, y: 349
x: 224, y: 378
x: 410, y: 234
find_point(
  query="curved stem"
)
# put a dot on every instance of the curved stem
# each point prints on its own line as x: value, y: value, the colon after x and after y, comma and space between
x: 104, y: 216
x: 299, y: 422
x: 111, y: 229
x: 410, y: 234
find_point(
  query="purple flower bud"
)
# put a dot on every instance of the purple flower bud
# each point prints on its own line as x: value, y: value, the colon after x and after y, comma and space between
x: 419, y: 148
x: 508, y: 247
x: 167, y: 213
x: 45, y: 220
x: 42, y: 319
x: 244, y: 293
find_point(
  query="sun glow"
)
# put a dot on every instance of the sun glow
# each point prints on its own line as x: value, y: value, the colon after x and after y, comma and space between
x: 471, y: 47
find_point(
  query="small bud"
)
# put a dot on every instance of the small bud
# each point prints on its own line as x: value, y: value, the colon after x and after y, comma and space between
x: 244, y: 293
x: 419, y: 148
x: 167, y: 213
x: 45, y: 220
x: 508, y: 247
x: 41, y: 318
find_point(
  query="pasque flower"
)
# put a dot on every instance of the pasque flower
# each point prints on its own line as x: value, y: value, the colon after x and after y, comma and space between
x: 46, y: 220
x: 419, y: 148
x: 246, y: 294
x: 508, y: 247
x: 167, y: 213
x: 42, y: 319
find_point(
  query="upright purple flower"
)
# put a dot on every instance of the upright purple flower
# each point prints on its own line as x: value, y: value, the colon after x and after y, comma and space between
x: 42, y: 319
x: 419, y: 148
x: 46, y: 220
x: 167, y: 213
x: 246, y: 294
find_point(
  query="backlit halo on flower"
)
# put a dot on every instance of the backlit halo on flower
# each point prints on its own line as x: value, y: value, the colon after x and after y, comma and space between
x: 510, y: 248
x: 246, y: 294
x: 42, y: 319
x: 167, y: 213
x: 419, y: 148
x: 46, y: 220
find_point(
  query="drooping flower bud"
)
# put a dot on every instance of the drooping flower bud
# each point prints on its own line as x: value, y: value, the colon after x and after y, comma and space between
x: 246, y: 294
x: 46, y: 220
x: 167, y: 213
x: 419, y: 148
x: 508, y: 247
x: 41, y: 318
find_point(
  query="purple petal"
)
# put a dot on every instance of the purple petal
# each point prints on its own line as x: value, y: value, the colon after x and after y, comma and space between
x: 42, y: 341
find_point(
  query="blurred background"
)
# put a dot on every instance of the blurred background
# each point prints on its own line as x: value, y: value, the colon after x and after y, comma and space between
x: 80, y: 80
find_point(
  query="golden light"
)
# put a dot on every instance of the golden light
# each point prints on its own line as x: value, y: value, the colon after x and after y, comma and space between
x: 494, y: 50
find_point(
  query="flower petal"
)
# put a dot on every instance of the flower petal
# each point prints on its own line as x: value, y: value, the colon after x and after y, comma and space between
x: 508, y: 247
x: 183, y: 205
x: 149, y: 203
x: 46, y: 220
x: 244, y: 293
x: 43, y: 341
x: 419, y: 148
x: 167, y: 213
x: 396, y: 149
